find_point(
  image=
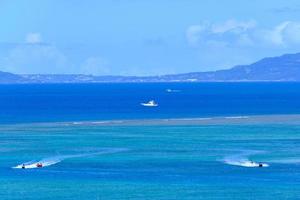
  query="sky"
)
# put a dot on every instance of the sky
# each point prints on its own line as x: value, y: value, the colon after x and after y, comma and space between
x: 143, y: 37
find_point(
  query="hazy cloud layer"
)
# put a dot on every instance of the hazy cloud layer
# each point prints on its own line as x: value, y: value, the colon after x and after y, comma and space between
x: 234, y: 42
x: 211, y: 45
x: 95, y: 65
x: 122, y: 37
x: 35, y: 56
x: 33, y: 38
x: 235, y: 33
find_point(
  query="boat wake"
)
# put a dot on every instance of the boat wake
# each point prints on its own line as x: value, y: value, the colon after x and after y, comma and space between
x: 46, y: 162
x: 242, y: 160
x: 172, y: 91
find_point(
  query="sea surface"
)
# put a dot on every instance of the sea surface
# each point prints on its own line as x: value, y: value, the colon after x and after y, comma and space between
x: 82, y: 102
x: 203, y: 141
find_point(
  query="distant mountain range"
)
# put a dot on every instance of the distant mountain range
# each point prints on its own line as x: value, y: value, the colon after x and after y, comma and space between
x: 282, y: 68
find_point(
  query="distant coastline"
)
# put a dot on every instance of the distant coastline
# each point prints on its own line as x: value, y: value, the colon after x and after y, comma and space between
x: 284, y: 68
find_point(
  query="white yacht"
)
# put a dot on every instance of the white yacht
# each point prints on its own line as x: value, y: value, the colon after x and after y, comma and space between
x: 151, y: 103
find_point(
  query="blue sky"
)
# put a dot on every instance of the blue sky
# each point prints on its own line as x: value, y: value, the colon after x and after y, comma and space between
x: 139, y: 37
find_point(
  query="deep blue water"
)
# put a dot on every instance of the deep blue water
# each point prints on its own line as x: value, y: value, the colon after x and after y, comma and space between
x: 73, y: 102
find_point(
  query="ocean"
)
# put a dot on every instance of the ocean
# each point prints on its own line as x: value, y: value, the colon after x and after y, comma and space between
x: 202, y: 141
x: 81, y: 102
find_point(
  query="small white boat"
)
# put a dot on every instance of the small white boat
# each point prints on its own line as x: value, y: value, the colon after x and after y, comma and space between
x: 151, y: 103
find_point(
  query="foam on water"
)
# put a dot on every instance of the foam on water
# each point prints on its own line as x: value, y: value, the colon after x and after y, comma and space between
x: 172, y: 91
x: 57, y: 159
x: 45, y: 162
x: 237, y: 117
x: 242, y: 160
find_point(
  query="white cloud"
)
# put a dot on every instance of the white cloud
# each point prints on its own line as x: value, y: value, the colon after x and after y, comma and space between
x: 33, y: 38
x: 95, y: 66
x: 244, y: 33
x: 193, y: 34
x: 233, y: 26
x: 27, y: 59
x: 230, y: 32
x: 291, y: 33
x: 221, y: 45
x: 284, y: 34
x: 273, y: 36
x: 33, y: 56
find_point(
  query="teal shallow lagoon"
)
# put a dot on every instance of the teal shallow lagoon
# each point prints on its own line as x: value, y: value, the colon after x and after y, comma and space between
x: 150, y: 162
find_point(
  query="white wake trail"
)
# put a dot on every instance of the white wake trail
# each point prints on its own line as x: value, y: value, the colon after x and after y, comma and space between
x: 242, y: 160
x: 45, y: 162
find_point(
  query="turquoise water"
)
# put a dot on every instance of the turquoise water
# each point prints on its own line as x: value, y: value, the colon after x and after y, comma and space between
x: 150, y: 162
